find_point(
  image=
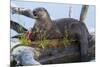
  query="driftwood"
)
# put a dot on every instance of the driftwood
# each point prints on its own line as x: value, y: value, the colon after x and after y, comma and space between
x: 83, y: 12
x: 17, y: 27
x: 68, y: 54
x: 22, y: 11
x: 63, y: 55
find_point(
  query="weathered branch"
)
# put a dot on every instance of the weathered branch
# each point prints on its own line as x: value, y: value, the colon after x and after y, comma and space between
x: 22, y: 11
x: 17, y: 27
x: 83, y: 12
x: 69, y: 54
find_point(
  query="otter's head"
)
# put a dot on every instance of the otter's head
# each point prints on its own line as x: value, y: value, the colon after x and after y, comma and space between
x: 40, y: 13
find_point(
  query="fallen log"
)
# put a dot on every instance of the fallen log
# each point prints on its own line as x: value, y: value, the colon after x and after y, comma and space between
x: 68, y: 54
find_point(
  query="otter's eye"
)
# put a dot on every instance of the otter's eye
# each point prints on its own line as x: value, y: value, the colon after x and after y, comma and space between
x: 34, y: 13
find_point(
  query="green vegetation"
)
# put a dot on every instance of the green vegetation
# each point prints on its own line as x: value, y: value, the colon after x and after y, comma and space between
x: 66, y: 41
x: 24, y: 40
x: 44, y: 43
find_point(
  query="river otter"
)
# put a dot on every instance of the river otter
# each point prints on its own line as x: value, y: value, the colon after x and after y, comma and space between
x: 44, y: 27
x: 74, y: 28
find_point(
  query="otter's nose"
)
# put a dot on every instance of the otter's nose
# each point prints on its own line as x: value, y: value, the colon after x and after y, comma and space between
x: 34, y: 13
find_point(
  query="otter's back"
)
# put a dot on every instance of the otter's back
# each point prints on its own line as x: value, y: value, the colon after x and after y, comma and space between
x: 64, y: 23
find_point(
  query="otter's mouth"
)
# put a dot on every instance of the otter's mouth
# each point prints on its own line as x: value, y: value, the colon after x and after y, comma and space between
x: 35, y: 15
